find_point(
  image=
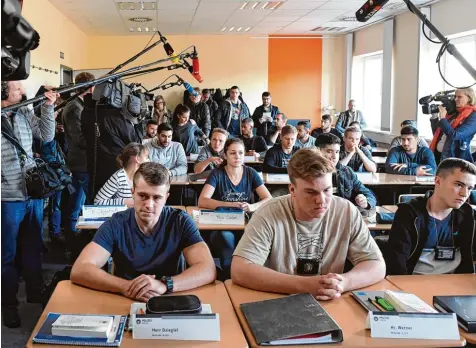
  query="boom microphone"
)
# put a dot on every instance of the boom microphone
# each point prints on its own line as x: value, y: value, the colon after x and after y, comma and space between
x: 196, y: 67
x: 370, y: 8
x: 190, y: 89
x: 196, y: 75
x: 168, y: 49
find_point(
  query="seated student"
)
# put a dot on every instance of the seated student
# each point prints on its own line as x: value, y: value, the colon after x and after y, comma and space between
x: 210, y: 155
x: 397, y: 141
x: 439, y: 222
x: 254, y: 145
x: 167, y: 152
x: 347, y: 184
x: 409, y: 158
x: 299, y: 243
x: 117, y: 190
x: 186, y: 131
x: 151, y: 129
x: 354, y: 155
x: 303, y: 137
x: 326, y: 127
x: 231, y: 185
x: 146, y: 243
x: 364, y: 140
x: 274, y: 132
x: 277, y: 157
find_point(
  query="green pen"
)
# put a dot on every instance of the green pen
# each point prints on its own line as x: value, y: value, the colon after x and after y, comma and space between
x: 381, y: 301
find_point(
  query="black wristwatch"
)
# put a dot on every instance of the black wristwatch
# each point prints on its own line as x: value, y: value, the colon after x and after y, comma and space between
x: 169, y: 283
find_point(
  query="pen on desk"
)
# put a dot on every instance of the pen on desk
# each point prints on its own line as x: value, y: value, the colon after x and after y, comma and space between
x: 376, y: 305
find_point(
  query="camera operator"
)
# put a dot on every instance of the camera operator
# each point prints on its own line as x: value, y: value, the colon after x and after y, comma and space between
x: 116, y: 127
x: 22, y: 217
x: 452, y: 133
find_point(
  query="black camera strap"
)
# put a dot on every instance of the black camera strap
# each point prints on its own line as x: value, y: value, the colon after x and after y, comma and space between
x: 7, y: 132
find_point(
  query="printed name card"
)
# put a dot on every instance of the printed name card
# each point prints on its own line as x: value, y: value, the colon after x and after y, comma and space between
x: 199, y: 327
x: 250, y: 159
x: 431, y: 326
x: 222, y: 217
x: 193, y: 156
x: 278, y: 178
x: 101, y: 211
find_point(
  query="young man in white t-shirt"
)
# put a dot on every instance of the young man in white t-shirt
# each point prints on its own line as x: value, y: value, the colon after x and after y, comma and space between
x: 299, y: 243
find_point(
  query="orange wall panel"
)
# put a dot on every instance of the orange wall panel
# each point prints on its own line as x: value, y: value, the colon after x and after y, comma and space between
x: 295, y: 76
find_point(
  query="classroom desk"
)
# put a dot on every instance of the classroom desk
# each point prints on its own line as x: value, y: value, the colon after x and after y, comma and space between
x: 379, y: 151
x: 346, y: 311
x: 206, y: 227
x: 81, y: 226
x: 180, y: 180
x: 74, y: 299
x: 368, y: 179
x: 427, y: 286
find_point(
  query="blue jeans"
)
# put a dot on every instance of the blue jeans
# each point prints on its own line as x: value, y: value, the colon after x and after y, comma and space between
x: 77, y: 199
x: 54, y: 213
x: 22, y: 230
x: 222, y: 245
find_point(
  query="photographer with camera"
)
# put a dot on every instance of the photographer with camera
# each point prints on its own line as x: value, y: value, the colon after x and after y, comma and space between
x: 22, y: 216
x: 454, y: 126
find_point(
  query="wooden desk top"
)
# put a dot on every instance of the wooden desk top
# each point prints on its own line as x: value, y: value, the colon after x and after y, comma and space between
x: 427, y: 286
x: 346, y: 311
x: 74, y: 299
x: 368, y: 179
x: 81, y: 226
x: 206, y: 227
x: 179, y: 180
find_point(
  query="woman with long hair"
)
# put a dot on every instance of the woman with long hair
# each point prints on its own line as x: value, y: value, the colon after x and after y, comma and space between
x: 117, y: 190
x: 231, y: 185
x: 161, y: 113
x: 452, y: 134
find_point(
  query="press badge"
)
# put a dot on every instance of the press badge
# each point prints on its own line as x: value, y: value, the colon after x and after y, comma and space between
x: 308, y: 266
x: 445, y: 253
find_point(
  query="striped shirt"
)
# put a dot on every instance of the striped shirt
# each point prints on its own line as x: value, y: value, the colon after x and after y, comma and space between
x: 115, y: 190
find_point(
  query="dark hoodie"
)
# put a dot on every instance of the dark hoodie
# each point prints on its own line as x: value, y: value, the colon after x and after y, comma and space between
x: 410, y: 232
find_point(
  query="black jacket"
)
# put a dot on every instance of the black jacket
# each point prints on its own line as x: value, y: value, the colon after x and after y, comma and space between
x: 213, y: 107
x: 115, y: 132
x: 201, y: 114
x: 276, y: 161
x: 224, y: 114
x: 262, y: 128
x: 409, y: 234
x: 76, y: 157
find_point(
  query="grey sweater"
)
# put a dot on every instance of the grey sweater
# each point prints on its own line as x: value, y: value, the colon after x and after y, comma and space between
x: 172, y: 157
x: 26, y: 126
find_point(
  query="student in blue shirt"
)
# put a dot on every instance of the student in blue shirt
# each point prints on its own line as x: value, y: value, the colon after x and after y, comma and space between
x: 409, y: 158
x: 231, y: 185
x: 148, y: 244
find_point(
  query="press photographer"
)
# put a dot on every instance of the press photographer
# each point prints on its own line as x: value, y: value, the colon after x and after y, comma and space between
x: 453, y: 124
x: 20, y: 208
x: 111, y: 119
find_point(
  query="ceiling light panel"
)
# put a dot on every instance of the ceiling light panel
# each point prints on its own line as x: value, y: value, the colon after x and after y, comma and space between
x: 260, y: 5
x: 136, y: 6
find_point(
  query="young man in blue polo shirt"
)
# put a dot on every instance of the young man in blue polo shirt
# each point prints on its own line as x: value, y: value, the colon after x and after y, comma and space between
x: 146, y: 243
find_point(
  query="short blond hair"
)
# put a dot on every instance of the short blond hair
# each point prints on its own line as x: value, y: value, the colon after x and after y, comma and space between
x: 469, y: 92
x: 308, y: 163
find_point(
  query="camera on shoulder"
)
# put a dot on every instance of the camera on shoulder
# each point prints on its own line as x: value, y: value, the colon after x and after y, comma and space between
x: 446, y: 99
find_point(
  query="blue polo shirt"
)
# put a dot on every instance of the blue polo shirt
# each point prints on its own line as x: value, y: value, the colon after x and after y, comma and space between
x: 135, y: 253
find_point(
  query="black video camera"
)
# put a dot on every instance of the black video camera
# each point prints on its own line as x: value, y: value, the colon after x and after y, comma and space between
x: 447, y: 99
x: 18, y: 38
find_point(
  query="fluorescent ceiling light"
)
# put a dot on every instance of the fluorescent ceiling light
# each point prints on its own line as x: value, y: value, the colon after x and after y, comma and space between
x: 254, y: 5
x: 223, y: 29
x: 231, y: 29
x: 239, y: 29
x: 139, y: 29
x: 248, y: 29
x: 244, y: 5
x: 264, y: 5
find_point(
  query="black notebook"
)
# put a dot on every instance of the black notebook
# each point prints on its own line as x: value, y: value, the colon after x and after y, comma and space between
x: 295, y: 319
x: 463, y: 306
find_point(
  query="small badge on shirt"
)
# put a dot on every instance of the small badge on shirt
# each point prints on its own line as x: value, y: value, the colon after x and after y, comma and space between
x: 445, y: 253
x: 308, y: 266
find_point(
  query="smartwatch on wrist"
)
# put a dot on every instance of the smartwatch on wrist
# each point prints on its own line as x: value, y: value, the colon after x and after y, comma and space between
x: 169, y: 283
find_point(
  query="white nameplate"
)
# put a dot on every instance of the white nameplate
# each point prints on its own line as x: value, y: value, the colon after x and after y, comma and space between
x: 219, y: 217
x: 250, y: 159
x: 278, y: 177
x: 193, y: 156
x: 101, y: 211
x: 430, y: 326
x: 192, y: 327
